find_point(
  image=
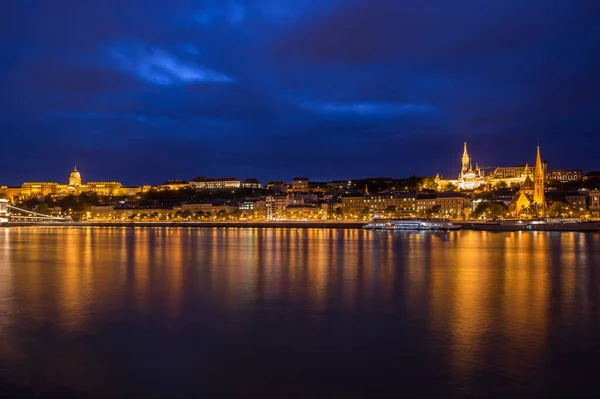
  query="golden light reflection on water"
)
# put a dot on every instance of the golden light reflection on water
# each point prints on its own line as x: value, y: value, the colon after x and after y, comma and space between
x: 468, y: 290
x: 6, y: 299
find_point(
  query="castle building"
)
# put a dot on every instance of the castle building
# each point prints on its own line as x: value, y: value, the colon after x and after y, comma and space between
x: 74, y: 186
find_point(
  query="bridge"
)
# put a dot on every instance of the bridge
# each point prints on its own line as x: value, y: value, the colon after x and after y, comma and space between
x: 9, y: 213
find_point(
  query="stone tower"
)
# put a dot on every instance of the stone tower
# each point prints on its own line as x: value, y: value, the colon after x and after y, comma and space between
x: 538, y: 192
x: 465, y: 160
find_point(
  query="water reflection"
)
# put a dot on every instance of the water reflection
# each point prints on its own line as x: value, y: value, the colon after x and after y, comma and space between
x: 472, y: 310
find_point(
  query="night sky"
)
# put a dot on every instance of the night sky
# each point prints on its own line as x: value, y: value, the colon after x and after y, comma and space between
x: 141, y: 91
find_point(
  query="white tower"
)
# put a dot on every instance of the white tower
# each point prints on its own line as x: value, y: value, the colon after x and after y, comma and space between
x: 466, y: 161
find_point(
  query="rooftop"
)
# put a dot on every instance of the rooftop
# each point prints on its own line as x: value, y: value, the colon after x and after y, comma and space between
x: 176, y: 181
x: 211, y: 179
x: 451, y: 195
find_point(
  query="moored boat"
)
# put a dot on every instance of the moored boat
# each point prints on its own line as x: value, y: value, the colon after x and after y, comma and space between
x: 499, y: 225
x: 411, y: 224
x: 565, y: 225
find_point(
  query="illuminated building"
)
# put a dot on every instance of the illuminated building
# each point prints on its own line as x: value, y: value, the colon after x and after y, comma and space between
x: 505, y: 199
x: 3, y: 210
x: 578, y: 201
x: 509, y: 172
x: 10, y: 193
x: 130, y: 191
x: 75, y: 178
x: 196, y: 206
x: 174, y: 185
x: 301, y: 211
x: 339, y: 185
x: 379, y: 203
x: 215, y: 183
x: 212, y: 207
x: 524, y: 197
x: 303, y: 198
x: 317, y: 187
x: 565, y: 175
x: 468, y: 178
x: 105, y: 188
x: 251, y: 183
x: 38, y: 189
x: 252, y: 205
x: 270, y: 200
x: 453, y: 204
x: 282, y: 201
x: 594, y: 198
x: 353, y: 203
x: 222, y: 206
x: 532, y: 193
x: 300, y: 184
x: 538, y: 195
x: 511, y: 176
x: 425, y: 202
x: 112, y: 212
x: 74, y: 186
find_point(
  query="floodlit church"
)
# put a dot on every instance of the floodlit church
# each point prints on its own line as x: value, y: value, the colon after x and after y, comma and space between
x: 530, y: 199
x: 471, y: 178
x: 468, y: 178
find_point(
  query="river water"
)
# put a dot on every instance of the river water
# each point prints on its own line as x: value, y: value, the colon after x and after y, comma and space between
x: 167, y: 312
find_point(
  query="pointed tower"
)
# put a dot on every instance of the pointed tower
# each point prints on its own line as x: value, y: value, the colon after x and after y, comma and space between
x: 465, y: 160
x: 538, y: 194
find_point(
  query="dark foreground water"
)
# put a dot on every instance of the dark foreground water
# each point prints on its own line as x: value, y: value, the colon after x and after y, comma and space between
x: 124, y: 312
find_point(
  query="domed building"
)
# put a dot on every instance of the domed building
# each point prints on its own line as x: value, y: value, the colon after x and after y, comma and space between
x: 75, y: 178
x: 74, y: 186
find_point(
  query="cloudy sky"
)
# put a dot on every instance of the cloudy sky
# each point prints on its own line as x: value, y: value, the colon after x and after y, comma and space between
x: 144, y: 90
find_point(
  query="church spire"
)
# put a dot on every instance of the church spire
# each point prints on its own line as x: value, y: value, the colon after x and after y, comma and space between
x: 466, y: 161
x: 538, y: 194
x: 539, y: 167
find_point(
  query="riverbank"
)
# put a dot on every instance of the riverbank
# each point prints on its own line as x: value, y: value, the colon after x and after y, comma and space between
x: 270, y: 225
x: 466, y: 225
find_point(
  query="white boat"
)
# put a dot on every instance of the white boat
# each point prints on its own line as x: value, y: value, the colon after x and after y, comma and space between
x: 412, y: 224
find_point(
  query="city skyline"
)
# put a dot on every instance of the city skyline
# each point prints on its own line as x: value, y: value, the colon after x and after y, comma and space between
x: 266, y: 198
x: 486, y: 169
x: 160, y: 90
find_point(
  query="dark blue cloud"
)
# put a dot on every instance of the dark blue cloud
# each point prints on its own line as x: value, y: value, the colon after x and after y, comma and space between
x: 146, y: 90
x: 158, y: 66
